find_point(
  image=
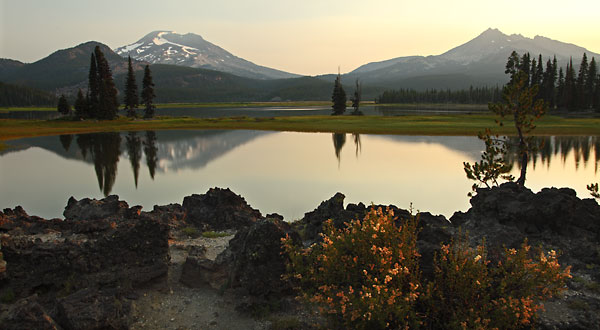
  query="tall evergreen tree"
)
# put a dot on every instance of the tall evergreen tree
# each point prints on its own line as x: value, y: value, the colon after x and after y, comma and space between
x: 108, y: 105
x: 131, y: 94
x: 560, y: 90
x: 148, y: 93
x: 526, y: 68
x: 93, y: 88
x: 513, y: 65
x: 338, y: 97
x: 590, y: 83
x: 63, y: 105
x: 81, y: 106
x: 356, y: 99
x: 596, y: 95
x: 580, y: 90
x: 548, y: 82
x: 570, y: 88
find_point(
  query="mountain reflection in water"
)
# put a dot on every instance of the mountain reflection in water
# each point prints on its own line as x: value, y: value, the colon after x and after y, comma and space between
x: 284, y: 172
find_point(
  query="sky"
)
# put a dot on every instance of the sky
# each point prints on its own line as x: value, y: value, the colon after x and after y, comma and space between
x: 308, y: 37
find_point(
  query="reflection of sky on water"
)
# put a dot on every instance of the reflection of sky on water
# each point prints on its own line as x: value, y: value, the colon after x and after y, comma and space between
x: 284, y: 172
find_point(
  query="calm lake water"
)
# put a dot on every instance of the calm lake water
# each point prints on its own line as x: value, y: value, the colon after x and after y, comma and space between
x: 283, y: 172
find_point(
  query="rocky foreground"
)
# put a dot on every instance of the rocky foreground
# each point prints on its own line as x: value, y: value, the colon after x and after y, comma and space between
x: 110, y: 266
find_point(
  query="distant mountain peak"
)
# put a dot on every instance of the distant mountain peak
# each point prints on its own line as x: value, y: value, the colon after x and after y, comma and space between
x: 170, y: 47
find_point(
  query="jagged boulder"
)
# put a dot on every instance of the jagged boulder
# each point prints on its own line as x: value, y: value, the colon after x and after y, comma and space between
x: 94, y: 310
x: 219, y: 209
x: 92, y: 209
x: 121, y: 250
x: 254, y: 258
x: 27, y: 313
x: 554, y: 219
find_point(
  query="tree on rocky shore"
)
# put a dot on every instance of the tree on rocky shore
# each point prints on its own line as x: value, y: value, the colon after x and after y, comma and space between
x: 148, y: 93
x: 131, y: 95
x: 520, y: 106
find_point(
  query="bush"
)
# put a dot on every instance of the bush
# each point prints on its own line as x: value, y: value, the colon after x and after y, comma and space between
x: 191, y: 232
x: 366, y: 276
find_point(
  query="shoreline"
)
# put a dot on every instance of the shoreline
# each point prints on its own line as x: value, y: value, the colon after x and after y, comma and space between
x: 440, y: 125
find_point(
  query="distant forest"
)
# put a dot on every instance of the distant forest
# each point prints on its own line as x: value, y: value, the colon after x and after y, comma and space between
x: 22, y: 96
x: 560, y: 89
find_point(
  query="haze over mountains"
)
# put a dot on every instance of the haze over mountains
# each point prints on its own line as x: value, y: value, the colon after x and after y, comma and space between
x: 187, y: 68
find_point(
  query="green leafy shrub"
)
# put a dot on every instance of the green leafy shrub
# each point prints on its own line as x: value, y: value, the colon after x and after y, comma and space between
x: 214, y: 234
x: 191, y: 232
x: 366, y: 276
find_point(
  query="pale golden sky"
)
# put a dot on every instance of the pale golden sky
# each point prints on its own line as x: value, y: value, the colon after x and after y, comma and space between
x: 306, y: 37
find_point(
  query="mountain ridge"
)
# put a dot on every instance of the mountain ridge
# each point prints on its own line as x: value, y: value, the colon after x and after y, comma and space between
x: 169, y: 47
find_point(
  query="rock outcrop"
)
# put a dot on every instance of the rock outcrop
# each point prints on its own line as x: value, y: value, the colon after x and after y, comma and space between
x: 555, y: 219
x: 219, y: 209
x: 116, y: 248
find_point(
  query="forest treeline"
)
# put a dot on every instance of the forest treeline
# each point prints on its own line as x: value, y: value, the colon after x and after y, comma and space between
x: 560, y: 88
x: 23, y: 96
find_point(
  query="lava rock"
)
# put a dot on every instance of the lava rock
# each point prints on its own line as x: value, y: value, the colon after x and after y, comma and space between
x: 219, y: 209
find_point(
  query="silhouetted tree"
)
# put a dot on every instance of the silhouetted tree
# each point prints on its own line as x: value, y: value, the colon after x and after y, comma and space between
x: 93, y: 88
x: 131, y: 93
x: 150, y: 150
x: 108, y: 104
x: 339, y: 139
x: 590, y: 83
x: 134, y: 149
x: 512, y: 65
x: 148, y: 93
x: 65, y: 141
x: 81, y: 106
x: 338, y: 97
x: 63, y: 105
x: 580, y: 87
x: 519, y: 104
x: 356, y: 99
x: 569, y: 90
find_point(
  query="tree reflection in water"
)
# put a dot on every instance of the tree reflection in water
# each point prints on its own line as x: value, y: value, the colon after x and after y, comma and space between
x: 134, y: 149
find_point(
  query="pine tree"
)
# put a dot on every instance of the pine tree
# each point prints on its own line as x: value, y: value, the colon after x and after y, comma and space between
x: 569, y: 90
x: 148, y: 93
x: 81, y: 106
x: 548, y: 81
x: 560, y: 90
x: 580, y: 90
x: 356, y: 99
x: 513, y: 65
x: 93, y: 88
x: 338, y: 97
x: 590, y: 83
x: 131, y: 94
x: 63, y: 105
x: 108, y: 105
x: 596, y: 97
x: 526, y: 68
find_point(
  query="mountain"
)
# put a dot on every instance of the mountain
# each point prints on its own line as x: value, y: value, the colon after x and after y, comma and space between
x: 64, y: 70
x: 167, y: 47
x: 480, y: 61
x: 8, y: 66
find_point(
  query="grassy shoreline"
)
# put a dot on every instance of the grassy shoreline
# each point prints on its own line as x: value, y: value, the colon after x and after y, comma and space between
x: 11, y: 129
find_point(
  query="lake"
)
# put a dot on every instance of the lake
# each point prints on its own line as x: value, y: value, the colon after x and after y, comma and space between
x: 284, y: 172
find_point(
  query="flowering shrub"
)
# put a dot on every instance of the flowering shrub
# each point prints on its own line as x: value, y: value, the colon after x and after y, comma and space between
x: 468, y: 292
x: 366, y: 276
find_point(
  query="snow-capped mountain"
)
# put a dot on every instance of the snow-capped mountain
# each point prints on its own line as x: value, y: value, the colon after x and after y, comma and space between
x: 168, y: 47
x: 479, y: 61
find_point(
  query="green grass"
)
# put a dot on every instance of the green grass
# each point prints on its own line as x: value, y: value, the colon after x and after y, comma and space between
x: 401, y: 125
x: 190, y: 232
x: 214, y: 234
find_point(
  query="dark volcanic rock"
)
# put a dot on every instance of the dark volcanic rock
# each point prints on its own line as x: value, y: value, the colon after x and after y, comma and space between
x: 93, y: 310
x: 312, y: 224
x: 219, y: 209
x: 118, y: 251
x: 92, y: 209
x: 555, y: 219
x: 254, y: 259
x: 27, y: 313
